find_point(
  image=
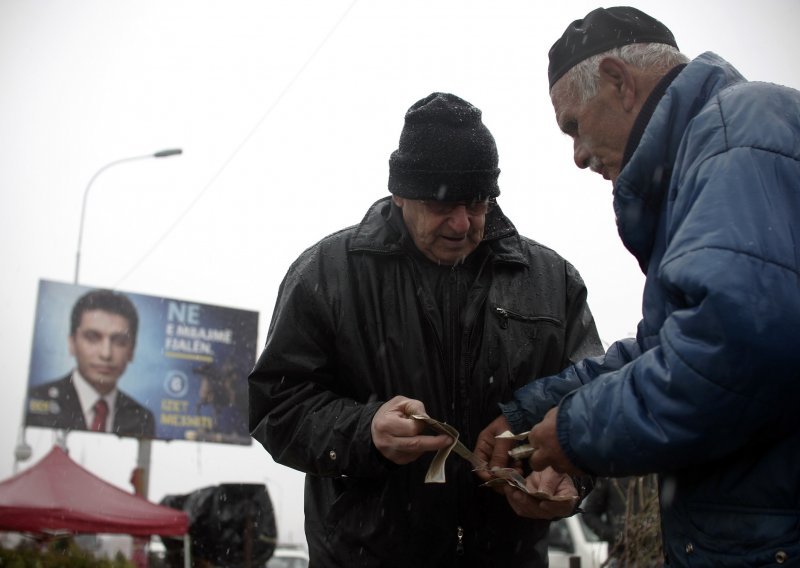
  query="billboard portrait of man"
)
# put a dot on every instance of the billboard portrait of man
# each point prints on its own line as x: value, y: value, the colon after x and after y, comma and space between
x: 102, y: 341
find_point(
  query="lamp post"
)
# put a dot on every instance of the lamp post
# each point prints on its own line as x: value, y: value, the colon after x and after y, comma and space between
x: 143, y: 459
x: 160, y: 154
x: 22, y: 451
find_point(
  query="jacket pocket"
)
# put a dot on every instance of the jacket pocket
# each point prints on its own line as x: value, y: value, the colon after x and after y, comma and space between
x: 742, y: 536
x: 522, y: 346
x: 506, y: 315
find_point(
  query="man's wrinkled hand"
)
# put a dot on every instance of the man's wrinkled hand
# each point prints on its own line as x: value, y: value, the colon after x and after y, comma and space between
x: 491, y: 450
x: 398, y: 437
x: 548, y: 451
x: 546, y: 482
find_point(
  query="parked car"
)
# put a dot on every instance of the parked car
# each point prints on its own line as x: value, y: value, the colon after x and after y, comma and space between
x: 288, y: 557
x: 571, y: 537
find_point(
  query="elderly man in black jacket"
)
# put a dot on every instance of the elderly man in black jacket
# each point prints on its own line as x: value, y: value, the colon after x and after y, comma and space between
x: 432, y: 304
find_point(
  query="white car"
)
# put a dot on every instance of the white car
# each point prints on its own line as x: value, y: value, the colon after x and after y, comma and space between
x: 571, y: 538
x: 286, y: 557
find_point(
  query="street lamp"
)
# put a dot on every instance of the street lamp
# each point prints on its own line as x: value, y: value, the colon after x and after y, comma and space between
x: 144, y: 445
x: 160, y: 154
x: 22, y: 451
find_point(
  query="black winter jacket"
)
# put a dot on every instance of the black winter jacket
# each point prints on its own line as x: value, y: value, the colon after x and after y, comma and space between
x: 353, y: 326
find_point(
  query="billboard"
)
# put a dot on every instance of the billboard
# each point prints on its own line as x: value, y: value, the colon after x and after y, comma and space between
x: 140, y: 366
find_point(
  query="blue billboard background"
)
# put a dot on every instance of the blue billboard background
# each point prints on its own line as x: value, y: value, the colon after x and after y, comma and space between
x: 183, y: 350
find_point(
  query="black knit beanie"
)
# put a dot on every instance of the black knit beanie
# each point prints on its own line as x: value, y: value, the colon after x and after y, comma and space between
x: 603, y: 29
x: 445, y: 153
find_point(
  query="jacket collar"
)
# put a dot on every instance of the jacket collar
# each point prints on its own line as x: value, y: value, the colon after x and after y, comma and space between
x: 379, y: 233
x: 641, y: 186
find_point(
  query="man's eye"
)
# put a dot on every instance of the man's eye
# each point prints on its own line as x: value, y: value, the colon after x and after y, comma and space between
x: 91, y: 336
x: 121, y: 340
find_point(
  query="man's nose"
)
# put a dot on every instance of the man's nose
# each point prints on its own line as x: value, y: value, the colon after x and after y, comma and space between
x: 580, y: 155
x: 459, y: 219
x: 105, y: 348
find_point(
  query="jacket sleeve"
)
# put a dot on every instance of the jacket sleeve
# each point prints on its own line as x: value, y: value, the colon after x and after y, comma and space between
x: 531, y: 402
x: 583, y: 361
x: 724, y: 372
x: 300, y: 409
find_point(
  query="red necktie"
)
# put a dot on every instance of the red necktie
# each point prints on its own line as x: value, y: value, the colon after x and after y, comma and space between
x: 100, y: 416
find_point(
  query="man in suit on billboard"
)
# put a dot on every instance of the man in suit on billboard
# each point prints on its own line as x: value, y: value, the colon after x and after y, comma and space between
x: 102, y: 339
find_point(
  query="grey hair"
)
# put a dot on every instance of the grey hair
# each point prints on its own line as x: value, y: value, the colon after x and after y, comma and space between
x: 581, y: 82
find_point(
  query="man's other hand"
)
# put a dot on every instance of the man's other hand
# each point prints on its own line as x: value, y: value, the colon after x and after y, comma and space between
x: 548, y: 482
x: 398, y: 437
x: 490, y: 449
x: 548, y: 451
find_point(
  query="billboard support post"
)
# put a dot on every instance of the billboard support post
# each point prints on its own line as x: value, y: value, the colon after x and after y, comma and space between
x: 143, y: 467
x: 141, y: 486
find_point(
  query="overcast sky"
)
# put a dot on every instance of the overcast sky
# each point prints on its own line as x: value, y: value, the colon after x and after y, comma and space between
x: 287, y: 113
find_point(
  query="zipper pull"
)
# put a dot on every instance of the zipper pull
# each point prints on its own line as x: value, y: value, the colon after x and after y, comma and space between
x: 460, y: 542
x: 503, y: 315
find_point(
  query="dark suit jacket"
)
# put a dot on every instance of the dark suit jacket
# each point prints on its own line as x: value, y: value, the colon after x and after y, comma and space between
x: 56, y: 405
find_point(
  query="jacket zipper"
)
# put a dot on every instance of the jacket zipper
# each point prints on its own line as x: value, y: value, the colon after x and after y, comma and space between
x: 506, y: 315
x: 460, y: 541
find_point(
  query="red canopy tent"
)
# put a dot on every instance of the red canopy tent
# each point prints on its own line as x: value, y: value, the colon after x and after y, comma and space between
x: 58, y: 495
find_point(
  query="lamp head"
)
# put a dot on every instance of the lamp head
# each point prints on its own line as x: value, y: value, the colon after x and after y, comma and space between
x: 168, y: 152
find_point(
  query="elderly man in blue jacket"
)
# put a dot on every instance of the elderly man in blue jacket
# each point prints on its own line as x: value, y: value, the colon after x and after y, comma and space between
x: 706, y: 173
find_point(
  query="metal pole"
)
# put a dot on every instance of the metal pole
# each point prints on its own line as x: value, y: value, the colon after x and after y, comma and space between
x: 187, y: 550
x: 142, y: 489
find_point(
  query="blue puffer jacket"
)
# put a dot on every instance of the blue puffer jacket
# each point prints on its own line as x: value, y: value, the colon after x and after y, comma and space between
x: 708, y: 394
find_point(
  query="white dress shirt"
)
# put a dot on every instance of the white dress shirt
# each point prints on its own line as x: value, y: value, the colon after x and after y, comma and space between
x: 88, y: 397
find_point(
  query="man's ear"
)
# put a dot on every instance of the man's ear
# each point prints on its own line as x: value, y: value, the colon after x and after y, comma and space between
x: 399, y: 201
x: 616, y: 73
x: 71, y: 344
